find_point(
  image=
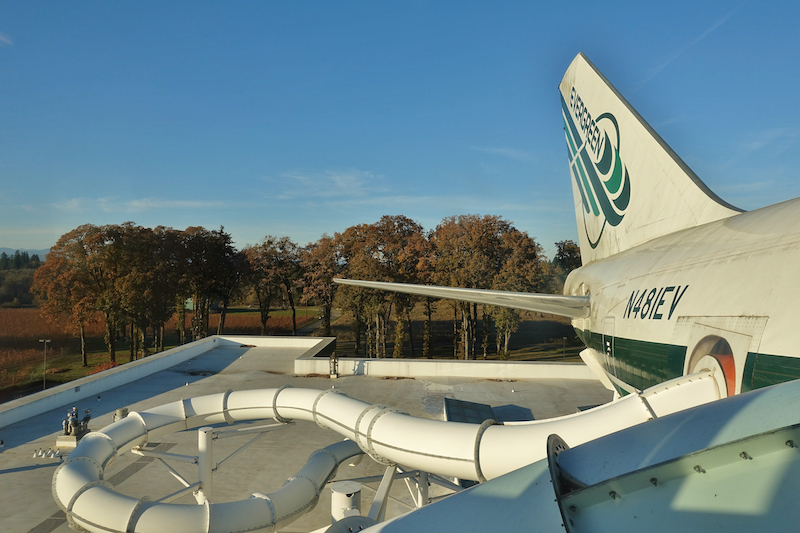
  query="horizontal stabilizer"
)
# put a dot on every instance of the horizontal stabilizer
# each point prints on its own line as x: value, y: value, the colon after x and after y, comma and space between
x: 554, y: 304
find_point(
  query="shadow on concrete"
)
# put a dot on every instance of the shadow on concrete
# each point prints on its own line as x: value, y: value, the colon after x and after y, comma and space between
x: 180, y: 375
x: 51, y: 463
x: 512, y: 413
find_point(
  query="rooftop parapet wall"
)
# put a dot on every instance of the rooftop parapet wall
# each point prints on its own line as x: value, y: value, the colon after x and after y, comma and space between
x: 95, y: 384
x: 444, y: 368
x: 317, y: 346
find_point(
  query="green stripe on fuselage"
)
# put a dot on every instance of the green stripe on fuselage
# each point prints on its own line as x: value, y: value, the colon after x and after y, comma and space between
x: 643, y: 364
x: 762, y: 370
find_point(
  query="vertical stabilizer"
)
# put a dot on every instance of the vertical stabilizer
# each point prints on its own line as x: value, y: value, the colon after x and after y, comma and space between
x: 629, y: 186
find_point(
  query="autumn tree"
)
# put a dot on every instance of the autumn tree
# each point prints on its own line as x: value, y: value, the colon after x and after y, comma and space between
x: 168, y: 293
x: 368, y: 307
x: 355, y: 301
x: 397, y: 244
x: 135, y: 276
x: 468, y: 253
x: 567, y: 259
x: 148, y: 282
x: 197, y: 274
x: 234, y: 274
x: 523, y: 269
x: 178, y: 257
x: 63, y: 287
x: 320, y: 264
x: 568, y: 255
x: 284, y: 257
x: 79, y: 278
x: 136, y: 252
x: 276, y: 269
x: 260, y: 282
x: 389, y: 250
x: 425, y: 275
x: 205, y: 268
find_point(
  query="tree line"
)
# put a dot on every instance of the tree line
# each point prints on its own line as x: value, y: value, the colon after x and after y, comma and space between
x: 16, y: 276
x: 469, y: 251
x: 19, y: 260
x: 135, y: 279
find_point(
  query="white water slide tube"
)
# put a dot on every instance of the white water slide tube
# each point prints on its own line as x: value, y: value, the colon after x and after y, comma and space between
x: 466, y: 451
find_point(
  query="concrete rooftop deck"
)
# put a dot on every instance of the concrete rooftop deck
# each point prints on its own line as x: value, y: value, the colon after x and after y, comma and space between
x: 27, y: 504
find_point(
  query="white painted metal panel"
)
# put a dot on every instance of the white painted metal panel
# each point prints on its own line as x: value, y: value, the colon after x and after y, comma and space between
x: 71, y: 476
x: 170, y: 517
x: 249, y: 515
x: 297, y: 403
x: 447, y: 448
x: 205, y: 409
x: 340, y: 413
x: 685, y: 432
x: 102, y: 505
x: 528, y: 440
x: 682, y: 393
x: 125, y: 431
x: 164, y: 419
x: 99, y: 447
x: 522, y: 500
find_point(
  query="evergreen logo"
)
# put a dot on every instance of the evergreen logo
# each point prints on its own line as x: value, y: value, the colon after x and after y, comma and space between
x: 596, y: 166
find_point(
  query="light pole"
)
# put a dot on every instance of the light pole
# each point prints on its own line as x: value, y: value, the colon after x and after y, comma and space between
x: 44, y: 373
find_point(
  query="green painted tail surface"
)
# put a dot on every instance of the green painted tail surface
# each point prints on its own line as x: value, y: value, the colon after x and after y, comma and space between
x: 629, y: 186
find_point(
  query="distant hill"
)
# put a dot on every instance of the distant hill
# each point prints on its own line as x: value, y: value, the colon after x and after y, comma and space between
x: 40, y: 253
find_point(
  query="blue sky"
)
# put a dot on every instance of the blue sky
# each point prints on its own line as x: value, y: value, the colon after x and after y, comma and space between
x: 303, y: 118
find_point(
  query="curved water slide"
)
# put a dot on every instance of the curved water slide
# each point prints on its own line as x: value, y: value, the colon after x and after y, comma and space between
x: 389, y: 436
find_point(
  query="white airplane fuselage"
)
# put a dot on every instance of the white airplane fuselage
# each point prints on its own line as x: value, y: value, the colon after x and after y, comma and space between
x: 657, y: 307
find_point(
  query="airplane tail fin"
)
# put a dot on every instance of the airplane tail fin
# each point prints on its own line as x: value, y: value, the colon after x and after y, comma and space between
x: 629, y: 186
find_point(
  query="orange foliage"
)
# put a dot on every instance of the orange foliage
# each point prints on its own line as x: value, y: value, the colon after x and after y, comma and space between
x: 24, y: 324
x: 244, y: 323
x: 28, y: 325
x: 103, y: 366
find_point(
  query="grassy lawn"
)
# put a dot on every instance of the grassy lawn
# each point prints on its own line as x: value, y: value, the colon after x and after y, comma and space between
x: 22, y: 355
x: 539, y: 337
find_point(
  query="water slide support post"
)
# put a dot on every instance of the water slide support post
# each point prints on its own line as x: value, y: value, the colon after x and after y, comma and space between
x: 422, y: 486
x: 205, y: 463
x: 378, y: 509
